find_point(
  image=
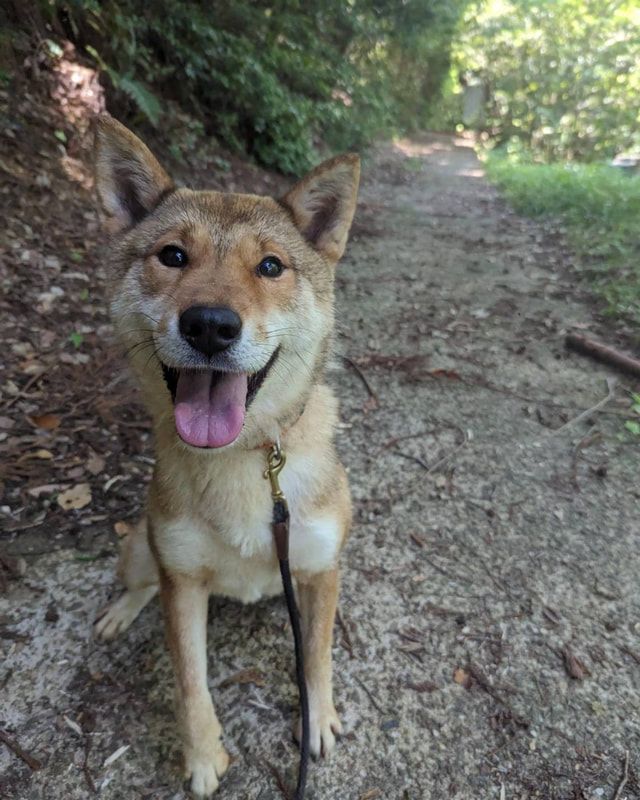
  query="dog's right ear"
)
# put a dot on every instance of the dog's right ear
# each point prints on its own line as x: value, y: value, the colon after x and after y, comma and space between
x: 129, y: 180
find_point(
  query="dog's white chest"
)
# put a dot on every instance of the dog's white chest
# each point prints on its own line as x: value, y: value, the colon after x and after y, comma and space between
x: 234, y: 541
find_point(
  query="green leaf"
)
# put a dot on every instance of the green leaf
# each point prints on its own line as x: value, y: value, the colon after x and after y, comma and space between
x: 76, y: 339
x: 633, y: 427
x: 145, y: 99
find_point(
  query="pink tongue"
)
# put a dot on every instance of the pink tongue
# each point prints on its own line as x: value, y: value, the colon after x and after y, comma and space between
x: 210, y: 415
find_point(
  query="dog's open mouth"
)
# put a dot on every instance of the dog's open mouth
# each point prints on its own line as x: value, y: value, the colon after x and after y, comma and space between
x: 209, y: 406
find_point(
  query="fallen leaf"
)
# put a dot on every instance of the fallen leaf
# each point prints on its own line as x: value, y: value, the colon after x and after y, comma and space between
x: 574, y: 666
x: 122, y: 528
x: 371, y: 794
x: 423, y: 686
x: 77, y: 496
x: 370, y: 404
x: 411, y: 647
x: 250, y: 675
x: 48, y: 422
x: 44, y: 455
x: 462, y: 677
x: 7, y: 422
x: 444, y: 373
x: 95, y: 464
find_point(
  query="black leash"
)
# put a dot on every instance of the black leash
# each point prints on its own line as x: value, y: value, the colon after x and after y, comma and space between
x: 280, y: 527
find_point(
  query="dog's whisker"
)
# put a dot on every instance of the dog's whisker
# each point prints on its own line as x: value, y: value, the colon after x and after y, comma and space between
x: 139, y: 347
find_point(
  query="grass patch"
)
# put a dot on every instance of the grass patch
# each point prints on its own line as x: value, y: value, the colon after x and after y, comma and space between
x: 600, y: 208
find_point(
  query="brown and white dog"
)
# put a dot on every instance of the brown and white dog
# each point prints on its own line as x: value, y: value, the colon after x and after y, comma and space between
x: 225, y: 304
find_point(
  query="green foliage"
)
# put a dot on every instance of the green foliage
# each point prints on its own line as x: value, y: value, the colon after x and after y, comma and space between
x: 562, y: 76
x: 271, y: 78
x: 633, y: 425
x: 600, y: 207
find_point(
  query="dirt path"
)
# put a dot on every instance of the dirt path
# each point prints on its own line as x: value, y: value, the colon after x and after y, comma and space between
x: 488, y: 540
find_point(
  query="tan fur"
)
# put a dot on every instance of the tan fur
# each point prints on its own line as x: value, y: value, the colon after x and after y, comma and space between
x: 209, y: 511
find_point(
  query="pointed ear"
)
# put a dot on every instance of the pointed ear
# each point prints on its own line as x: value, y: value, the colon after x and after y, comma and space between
x: 129, y: 180
x: 323, y: 204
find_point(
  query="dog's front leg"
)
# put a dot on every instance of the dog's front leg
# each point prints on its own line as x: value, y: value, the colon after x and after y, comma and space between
x: 318, y: 599
x: 184, y: 600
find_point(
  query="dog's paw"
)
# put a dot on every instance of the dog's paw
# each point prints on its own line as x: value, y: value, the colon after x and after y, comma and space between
x: 205, y: 772
x: 117, y: 617
x: 324, y: 726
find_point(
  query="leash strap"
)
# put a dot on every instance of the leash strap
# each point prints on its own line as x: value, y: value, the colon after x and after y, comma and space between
x: 276, y: 460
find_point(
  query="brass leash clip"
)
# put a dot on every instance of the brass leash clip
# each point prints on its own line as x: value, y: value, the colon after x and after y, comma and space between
x: 276, y: 460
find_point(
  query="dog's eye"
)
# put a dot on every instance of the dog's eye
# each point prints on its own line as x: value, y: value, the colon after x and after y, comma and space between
x: 270, y: 267
x: 172, y: 256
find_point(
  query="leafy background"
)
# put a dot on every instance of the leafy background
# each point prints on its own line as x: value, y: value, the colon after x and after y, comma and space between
x: 285, y: 82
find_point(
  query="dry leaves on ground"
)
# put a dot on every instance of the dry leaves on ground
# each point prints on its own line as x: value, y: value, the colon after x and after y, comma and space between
x: 77, y: 496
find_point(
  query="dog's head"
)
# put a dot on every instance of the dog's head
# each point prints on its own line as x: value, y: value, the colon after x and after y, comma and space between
x: 223, y: 301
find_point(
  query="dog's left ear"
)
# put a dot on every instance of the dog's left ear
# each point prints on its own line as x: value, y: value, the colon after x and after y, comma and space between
x: 323, y: 204
x: 129, y: 180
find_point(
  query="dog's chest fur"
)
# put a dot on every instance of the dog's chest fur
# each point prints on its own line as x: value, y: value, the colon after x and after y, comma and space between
x: 220, y: 522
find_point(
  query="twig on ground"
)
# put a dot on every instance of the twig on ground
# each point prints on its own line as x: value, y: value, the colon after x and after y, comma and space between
x: 346, y: 636
x: 481, y: 679
x: 415, y: 459
x: 22, y: 393
x: 448, y: 456
x: 442, y: 570
x: 635, y: 656
x: 28, y: 759
x: 603, y: 353
x: 611, y: 385
x: 374, y: 702
x: 280, y: 782
x: 441, y: 461
x: 363, y: 378
x: 587, y: 440
x: 624, y: 779
x: 397, y: 439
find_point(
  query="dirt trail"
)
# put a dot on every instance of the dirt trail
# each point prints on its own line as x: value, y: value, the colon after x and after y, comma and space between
x: 494, y: 552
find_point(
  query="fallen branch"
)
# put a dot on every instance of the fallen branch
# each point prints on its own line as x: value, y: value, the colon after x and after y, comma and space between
x: 22, y: 754
x: 624, y: 779
x: 603, y: 353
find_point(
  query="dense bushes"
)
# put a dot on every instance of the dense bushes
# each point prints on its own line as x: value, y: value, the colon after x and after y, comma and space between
x: 562, y: 77
x: 270, y: 78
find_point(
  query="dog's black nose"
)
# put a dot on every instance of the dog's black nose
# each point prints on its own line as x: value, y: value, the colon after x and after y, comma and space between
x: 210, y: 330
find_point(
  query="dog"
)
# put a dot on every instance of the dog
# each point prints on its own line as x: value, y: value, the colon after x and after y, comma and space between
x: 224, y: 304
